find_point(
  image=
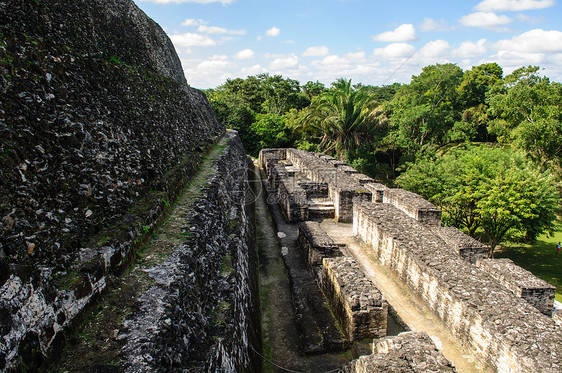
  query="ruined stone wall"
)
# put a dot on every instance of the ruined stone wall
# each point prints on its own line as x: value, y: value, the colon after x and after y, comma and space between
x: 357, y: 303
x: 504, y: 331
x: 521, y: 282
x: 202, y: 311
x: 411, y: 352
x: 99, y: 134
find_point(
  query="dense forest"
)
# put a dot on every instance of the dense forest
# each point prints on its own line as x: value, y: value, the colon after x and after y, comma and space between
x: 486, y: 148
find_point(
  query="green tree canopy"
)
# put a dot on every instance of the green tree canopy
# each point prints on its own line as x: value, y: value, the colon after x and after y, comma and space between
x: 527, y: 112
x: 486, y: 187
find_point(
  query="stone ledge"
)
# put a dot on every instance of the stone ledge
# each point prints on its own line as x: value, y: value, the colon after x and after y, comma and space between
x: 414, y: 206
x: 316, y: 245
x: 467, y: 247
x: 521, y: 282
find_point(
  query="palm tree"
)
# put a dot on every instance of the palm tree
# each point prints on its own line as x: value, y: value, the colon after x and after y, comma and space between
x: 343, y: 117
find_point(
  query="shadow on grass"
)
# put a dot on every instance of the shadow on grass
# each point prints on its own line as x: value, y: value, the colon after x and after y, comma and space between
x: 540, y: 258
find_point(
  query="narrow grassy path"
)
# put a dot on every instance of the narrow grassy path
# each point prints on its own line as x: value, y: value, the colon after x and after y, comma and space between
x: 96, y: 345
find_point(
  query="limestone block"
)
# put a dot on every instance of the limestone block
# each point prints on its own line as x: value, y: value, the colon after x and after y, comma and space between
x: 377, y: 190
x: 292, y: 199
x: 270, y: 156
x: 316, y: 244
x: 414, y: 205
x: 521, y: 282
x: 362, y: 178
x: 356, y: 302
x: 467, y: 247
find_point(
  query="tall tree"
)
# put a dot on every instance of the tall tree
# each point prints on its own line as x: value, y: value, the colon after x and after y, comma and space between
x: 527, y: 112
x: 423, y: 112
x: 343, y: 117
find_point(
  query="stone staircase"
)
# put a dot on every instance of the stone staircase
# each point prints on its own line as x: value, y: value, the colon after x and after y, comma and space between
x: 320, y: 208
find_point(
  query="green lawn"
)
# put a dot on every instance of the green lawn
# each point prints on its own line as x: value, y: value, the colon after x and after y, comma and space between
x: 539, y: 258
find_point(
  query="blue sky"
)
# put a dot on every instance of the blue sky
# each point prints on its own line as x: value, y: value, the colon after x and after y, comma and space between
x: 370, y: 41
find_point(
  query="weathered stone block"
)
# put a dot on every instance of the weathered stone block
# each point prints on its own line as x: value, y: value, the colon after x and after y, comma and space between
x: 316, y: 245
x: 468, y: 248
x: 521, y: 282
x: 358, y: 305
x: 271, y: 156
x: 362, y: 178
x: 377, y: 190
x: 414, y: 205
x: 292, y: 199
x: 407, y: 352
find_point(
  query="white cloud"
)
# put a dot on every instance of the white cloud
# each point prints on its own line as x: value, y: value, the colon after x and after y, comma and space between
x: 219, y: 30
x: 274, y: 31
x: 435, y: 49
x: 223, y: 2
x: 253, y: 70
x: 190, y: 39
x: 528, y: 19
x: 395, y: 50
x: 208, y: 73
x: 284, y: 62
x: 429, y: 24
x: 244, y: 54
x: 513, y: 5
x: 534, y: 41
x: 192, y: 22
x: 470, y: 49
x: 405, y: 32
x: 316, y: 51
x: 487, y: 20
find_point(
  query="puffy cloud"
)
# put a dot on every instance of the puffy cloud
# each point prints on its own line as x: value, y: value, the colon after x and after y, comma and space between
x: 209, y: 72
x: 316, y: 51
x: 219, y: 30
x: 223, y: 2
x: 486, y: 20
x: 513, y: 5
x: 395, y: 50
x: 429, y: 24
x: 192, y: 22
x: 274, y: 31
x: 534, y: 41
x: 253, y: 70
x: 435, y: 49
x: 284, y: 62
x: 469, y: 49
x: 402, y: 33
x: 244, y: 54
x: 190, y: 39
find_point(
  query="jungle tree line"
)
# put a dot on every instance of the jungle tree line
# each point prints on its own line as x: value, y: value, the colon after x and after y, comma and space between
x: 485, y: 148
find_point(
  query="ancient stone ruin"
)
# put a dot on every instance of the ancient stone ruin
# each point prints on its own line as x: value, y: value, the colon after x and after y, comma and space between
x: 498, y: 311
x: 128, y: 229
